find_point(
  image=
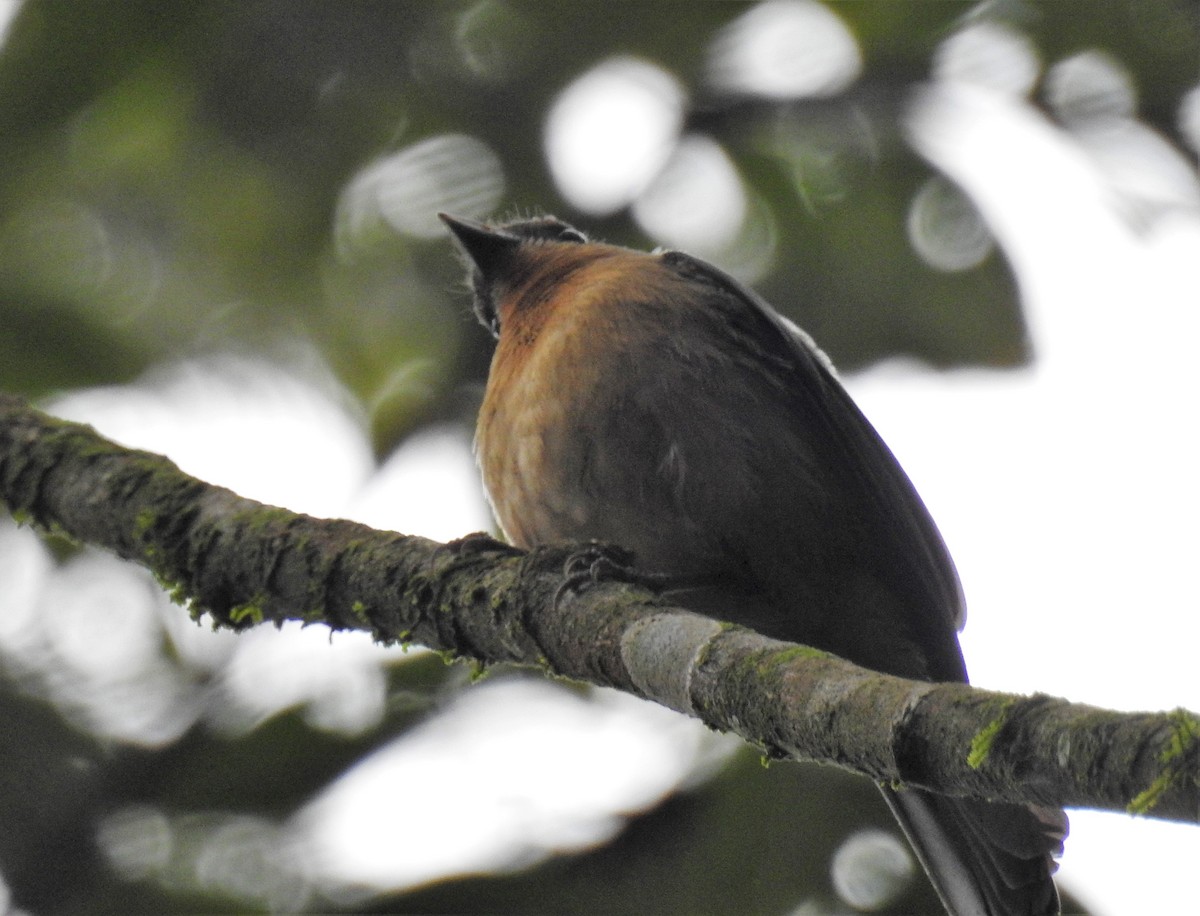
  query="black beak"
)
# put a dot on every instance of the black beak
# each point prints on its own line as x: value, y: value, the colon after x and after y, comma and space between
x: 490, y: 250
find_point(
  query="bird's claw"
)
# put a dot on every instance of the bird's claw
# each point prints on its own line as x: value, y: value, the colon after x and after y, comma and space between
x: 597, y: 562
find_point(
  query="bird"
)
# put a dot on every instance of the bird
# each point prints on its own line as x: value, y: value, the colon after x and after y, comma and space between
x: 652, y: 401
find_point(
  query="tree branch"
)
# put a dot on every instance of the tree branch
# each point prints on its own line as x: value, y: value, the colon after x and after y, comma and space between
x: 243, y: 563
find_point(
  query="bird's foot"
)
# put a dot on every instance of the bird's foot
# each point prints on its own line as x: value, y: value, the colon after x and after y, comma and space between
x: 597, y: 562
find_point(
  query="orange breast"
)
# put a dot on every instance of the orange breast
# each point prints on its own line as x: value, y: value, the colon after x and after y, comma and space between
x: 567, y: 341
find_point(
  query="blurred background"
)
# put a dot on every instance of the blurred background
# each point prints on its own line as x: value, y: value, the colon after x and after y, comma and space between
x: 218, y: 241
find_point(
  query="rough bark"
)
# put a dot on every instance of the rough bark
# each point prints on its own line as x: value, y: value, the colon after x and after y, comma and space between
x: 244, y: 563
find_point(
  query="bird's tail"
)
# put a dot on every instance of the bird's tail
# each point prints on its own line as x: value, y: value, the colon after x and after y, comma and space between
x: 984, y: 858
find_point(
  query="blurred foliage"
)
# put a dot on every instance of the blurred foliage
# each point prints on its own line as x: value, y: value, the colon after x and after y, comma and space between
x: 749, y: 841
x: 177, y: 181
x: 173, y: 174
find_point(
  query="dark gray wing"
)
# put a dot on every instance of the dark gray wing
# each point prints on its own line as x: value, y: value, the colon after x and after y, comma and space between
x: 985, y: 859
x: 909, y: 546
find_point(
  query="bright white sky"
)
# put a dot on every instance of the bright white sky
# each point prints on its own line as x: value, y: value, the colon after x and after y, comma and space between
x: 1068, y: 492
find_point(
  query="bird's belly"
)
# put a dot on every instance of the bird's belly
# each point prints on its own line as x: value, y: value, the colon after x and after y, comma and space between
x: 552, y: 477
x: 533, y: 464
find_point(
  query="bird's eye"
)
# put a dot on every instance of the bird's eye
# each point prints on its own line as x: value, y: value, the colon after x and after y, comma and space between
x: 571, y: 234
x: 485, y: 311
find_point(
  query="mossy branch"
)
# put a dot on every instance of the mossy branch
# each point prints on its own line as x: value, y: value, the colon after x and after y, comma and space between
x: 244, y: 563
